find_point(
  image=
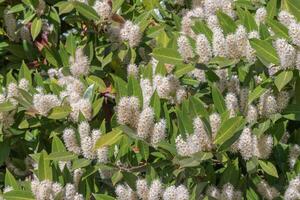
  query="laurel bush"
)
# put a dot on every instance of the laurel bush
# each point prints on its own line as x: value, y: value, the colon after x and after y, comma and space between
x: 149, y: 99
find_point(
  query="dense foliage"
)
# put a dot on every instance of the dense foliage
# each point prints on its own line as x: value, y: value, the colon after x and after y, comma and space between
x: 149, y: 99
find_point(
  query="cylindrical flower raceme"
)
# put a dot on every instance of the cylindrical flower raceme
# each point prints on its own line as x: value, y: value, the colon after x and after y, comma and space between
x: 131, y: 33
x: 79, y: 64
x: 203, y: 49
x: 184, y: 48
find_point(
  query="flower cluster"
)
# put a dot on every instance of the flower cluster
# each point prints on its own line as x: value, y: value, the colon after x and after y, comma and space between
x: 9, y: 95
x: 250, y: 145
x: 131, y: 33
x: 200, y: 140
x: 79, y: 64
x: 294, y: 153
x: 46, y: 189
x: 103, y: 9
x: 85, y: 146
x: 228, y: 192
x: 237, y: 100
x: 128, y: 113
x: 154, y: 191
x: 293, y: 190
x: 267, y: 191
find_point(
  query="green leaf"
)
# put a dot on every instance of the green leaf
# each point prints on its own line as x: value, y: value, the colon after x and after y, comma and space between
x: 167, y: 56
x: 271, y: 9
x: 181, y: 70
x: 228, y: 129
x: 109, y: 139
x: 195, y: 160
x: 25, y: 73
x: 57, y: 145
x: 10, y: 180
x: 223, y: 62
x: 292, y: 112
x: 18, y: 195
x: 59, y: 112
x: 265, y: 50
x: 36, y: 27
x: 86, y: 10
x: 279, y: 29
x: 64, y: 7
x: 201, y: 28
x: 256, y: 93
x: 134, y: 89
x: 6, y: 106
x: 293, y: 6
x: 52, y: 56
x: 268, y: 167
x: 17, y: 8
x: 283, y: 79
x: 249, y: 22
x: 218, y: 99
x: 150, y: 4
x: 226, y: 23
x: 97, y: 105
x: 89, y: 93
x: 4, y: 150
x: 61, y: 156
x: 71, y: 44
x: 116, y: 4
x: 80, y: 163
x: 197, y: 106
x: 103, y: 197
x: 44, y: 170
x: 155, y: 104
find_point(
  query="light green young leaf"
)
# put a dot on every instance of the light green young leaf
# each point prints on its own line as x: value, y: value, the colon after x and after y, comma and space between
x: 265, y: 50
x: 60, y: 112
x: 109, y: 139
x: 18, y: 195
x: 6, y: 106
x: 61, y: 156
x: 268, y: 167
x: 36, y: 27
x: 10, y: 180
x: 167, y: 56
x: 44, y: 170
x: 228, y: 129
x: 57, y: 145
x: 283, y: 79
x: 271, y: 9
x: 227, y: 24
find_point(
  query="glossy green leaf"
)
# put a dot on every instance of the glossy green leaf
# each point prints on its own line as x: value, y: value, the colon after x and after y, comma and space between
x: 228, y: 129
x: 86, y: 10
x: 265, y: 50
x: 218, y: 99
x: 109, y: 139
x: 61, y: 156
x: 279, y: 29
x: 60, y: 112
x: 283, y: 79
x: 44, y: 169
x: 167, y: 56
x: 226, y: 22
x: 268, y: 167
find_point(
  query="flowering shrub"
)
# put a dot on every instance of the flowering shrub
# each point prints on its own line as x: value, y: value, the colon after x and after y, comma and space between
x: 150, y: 100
